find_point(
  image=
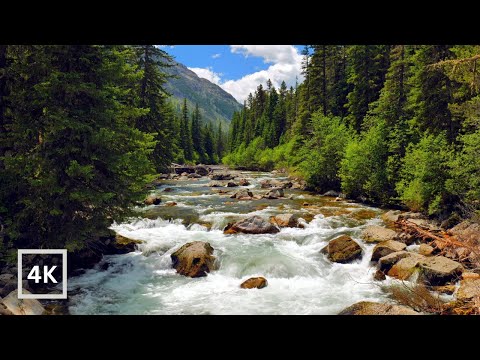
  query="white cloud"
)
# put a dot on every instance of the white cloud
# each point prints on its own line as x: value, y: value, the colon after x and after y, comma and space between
x: 285, y: 66
x: 208, y: 73
x: 216, y: 56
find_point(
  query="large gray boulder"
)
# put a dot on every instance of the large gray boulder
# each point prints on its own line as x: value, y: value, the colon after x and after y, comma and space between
x: 252, y: 225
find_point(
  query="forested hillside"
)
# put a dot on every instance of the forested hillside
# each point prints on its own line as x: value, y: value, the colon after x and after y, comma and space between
x: 394, y: 125
x: 216, y: 105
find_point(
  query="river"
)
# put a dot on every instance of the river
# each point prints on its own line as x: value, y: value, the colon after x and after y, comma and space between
x: 300, y: 279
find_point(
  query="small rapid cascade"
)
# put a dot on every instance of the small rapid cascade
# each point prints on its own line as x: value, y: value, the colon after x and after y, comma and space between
x: 301, y: 280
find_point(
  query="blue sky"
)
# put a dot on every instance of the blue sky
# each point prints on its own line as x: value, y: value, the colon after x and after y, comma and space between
x: 239, y: 69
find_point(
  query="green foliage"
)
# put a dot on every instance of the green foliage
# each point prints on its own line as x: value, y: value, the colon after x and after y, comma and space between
x: 425, y: 170
x: 326, y: 152
x: 465, y: 170
x: 77, y: 162
x: 363, y: 170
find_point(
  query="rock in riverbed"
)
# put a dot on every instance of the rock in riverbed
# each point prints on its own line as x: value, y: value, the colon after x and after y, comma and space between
x: 152, y: 200
x: 342, y: 249
x: 243, y: 182
x: 22, y: 306
x: 373, y: 308
x: 194, y: 259
x: 254, y: 283
x: 439, y: 270
x: 224, y: 176
x: 242, y: 195
x: 373, y: 234
x: 385, y: 248
x: 275, y: 193
x: 285, y: 220
x: 405, y: 268
x: 251, y: 225
x: 201, y: 170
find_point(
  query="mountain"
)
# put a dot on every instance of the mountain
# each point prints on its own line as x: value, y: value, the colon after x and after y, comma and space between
x: 214, y: 102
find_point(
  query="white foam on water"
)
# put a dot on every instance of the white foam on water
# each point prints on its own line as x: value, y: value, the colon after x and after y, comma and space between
x: 301, y: 280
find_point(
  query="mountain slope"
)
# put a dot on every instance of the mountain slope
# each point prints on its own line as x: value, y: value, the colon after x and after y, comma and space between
x: 214, y: 102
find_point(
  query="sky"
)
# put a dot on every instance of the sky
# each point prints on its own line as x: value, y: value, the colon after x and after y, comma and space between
x: 239, y: 69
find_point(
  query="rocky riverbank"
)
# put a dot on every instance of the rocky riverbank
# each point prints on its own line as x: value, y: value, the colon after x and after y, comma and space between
x: 422, y: 267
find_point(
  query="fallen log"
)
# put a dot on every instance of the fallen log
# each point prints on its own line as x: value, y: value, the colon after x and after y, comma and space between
x: 440, y: 240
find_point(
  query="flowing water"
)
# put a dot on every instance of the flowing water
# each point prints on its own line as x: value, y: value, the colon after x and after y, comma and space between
x: 300, y: 279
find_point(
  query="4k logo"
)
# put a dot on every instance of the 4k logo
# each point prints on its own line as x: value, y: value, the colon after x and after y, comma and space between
x: 47, y: 274
x: 43, y: 273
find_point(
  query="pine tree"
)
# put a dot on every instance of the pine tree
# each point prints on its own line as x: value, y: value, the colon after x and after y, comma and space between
x: 152, y: 94
x: 366, y: 73
x: 197, y: 136
x: 208, y: 144
x: 220, y: 142
x: 77, y: 162
x: 185, y: 135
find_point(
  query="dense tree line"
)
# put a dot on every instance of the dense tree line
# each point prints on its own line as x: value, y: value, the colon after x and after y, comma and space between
x: 199, y: 142
x: 394, y: 125
x: 83, y: 129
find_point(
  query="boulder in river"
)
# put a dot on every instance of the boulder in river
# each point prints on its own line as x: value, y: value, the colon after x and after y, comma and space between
x: 243, y: 182
x: 405, y: 267
x: 231, y: 184
x: 194, y: 259
x: 243, y: 194
x: 152, y: 200
x: 285, y: 220
x: 390, y: 217
x: 374, y: 233
x: 254, y: 283
x: 201, y: 170
x: 385, y: 248
x: 194, y: 176
x: 373, y: 308
x: 251, y: 225
x: 22, y: 306
x: 439, y: 270
x: 386, y: 262
x: 222, y: 176
x: 171, y: 203
x: 342, y: 249
x: 215, y: 184
x: 275, y: 193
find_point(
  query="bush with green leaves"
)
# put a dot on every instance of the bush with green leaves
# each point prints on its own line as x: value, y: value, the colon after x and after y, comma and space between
x: 363, y: 170
x: 424, y: 173
x: 326, y: 152
x: 465, y: 170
